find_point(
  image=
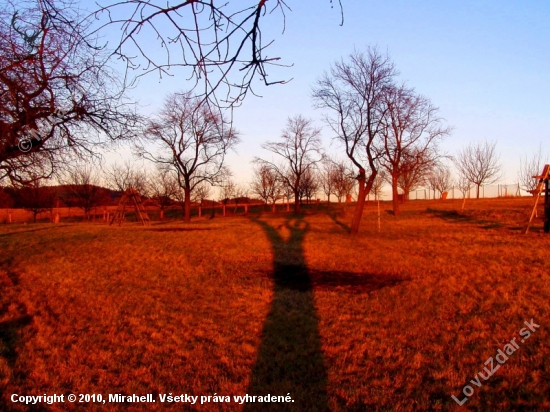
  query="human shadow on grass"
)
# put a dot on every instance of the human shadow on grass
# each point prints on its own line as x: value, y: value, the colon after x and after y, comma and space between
x: 290, y: 359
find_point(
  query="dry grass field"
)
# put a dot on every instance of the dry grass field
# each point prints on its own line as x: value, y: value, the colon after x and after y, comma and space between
x: 396, y: 320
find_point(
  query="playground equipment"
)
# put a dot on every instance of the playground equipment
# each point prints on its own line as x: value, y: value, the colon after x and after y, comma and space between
x: 131, y: 195
x: 542, y: 186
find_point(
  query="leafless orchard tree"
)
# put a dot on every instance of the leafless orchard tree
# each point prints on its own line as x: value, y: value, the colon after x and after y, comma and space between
x: 327, y: 174
x: 190, y: 138
x: 162, y: 187
x: 300, y: 148
x: 479, y: 164
x: 58, y: 98
x: 266, y: 185
x: 83, y: 190
x: 354, y: 91
x: 128, y: 175
x: 35, y: 197
x: 530, y: 167
x: 344, y: 181
x: 309, y: 185
x: 378, y: 184
x: 411, y: 133
x: 414, y: 171
x: 464, y: 185
x: 201, y: 193
x: 440, y: 179
x: 221, y: 43
x: 228, y: 190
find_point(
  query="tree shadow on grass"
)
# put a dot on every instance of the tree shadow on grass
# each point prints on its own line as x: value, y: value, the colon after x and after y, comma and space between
x: 290, y: 359
x: 456, y: 217
x: 333, y: 214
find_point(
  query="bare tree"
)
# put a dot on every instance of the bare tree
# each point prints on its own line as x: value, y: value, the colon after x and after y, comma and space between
x: 327, y: 176
x: 220, y: 43
x: 300, y: 148
x: 35, y: 198
x: 58, y: 98
x: 354, y: 93
x: 162, y: 187
x: 309, y: 185
x: 440, y: 179
x: 344, y: 181
x: 464, y: 185
x: 201, y: 193
x: 414, y: 171
x: 266, y: 184
x: 122, y: 177
x: 191, y: 138
x: 479, y: 164
x: 228, y: 190
x: 378, y: 184
x: 530, y: 167
x: 411, y: 133
x: 82, y: 186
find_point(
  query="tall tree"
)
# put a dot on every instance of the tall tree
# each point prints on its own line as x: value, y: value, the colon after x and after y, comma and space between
x: 411, y: 132
x: 58, y: 98
x: 191, y: 138
x: 479, y: 164
x: 354, y: 92
x: 300, y: 148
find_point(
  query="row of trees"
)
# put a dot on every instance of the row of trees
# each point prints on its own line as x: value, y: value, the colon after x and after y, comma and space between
x: 81, y: 187
x: 59, y: 100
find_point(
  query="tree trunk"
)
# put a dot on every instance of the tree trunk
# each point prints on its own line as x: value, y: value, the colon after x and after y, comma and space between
x: 358, y: 213
x: 187, y: 205
x: 477, y: 191
x: 296, y: 203
x: 161, y: 214
x: 395, y: 195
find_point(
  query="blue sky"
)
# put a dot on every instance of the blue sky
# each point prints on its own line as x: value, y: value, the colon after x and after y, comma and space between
x: 485, y: 64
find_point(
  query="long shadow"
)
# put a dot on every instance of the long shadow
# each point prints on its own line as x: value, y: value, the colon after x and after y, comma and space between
x: 290, y: 359
x: 455, y: 217
x: 333, y: 214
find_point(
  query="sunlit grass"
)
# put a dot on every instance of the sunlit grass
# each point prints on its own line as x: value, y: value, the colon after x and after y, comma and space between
x: 404, y: 317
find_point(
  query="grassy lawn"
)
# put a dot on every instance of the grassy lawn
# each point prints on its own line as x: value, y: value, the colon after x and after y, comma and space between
x: 399, y: 319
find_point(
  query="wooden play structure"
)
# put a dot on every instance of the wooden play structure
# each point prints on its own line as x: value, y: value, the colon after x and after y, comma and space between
x: 542, y: 187
x: 130, y: 196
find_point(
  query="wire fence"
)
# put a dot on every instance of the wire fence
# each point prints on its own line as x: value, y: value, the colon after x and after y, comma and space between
x: 486, y: 191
